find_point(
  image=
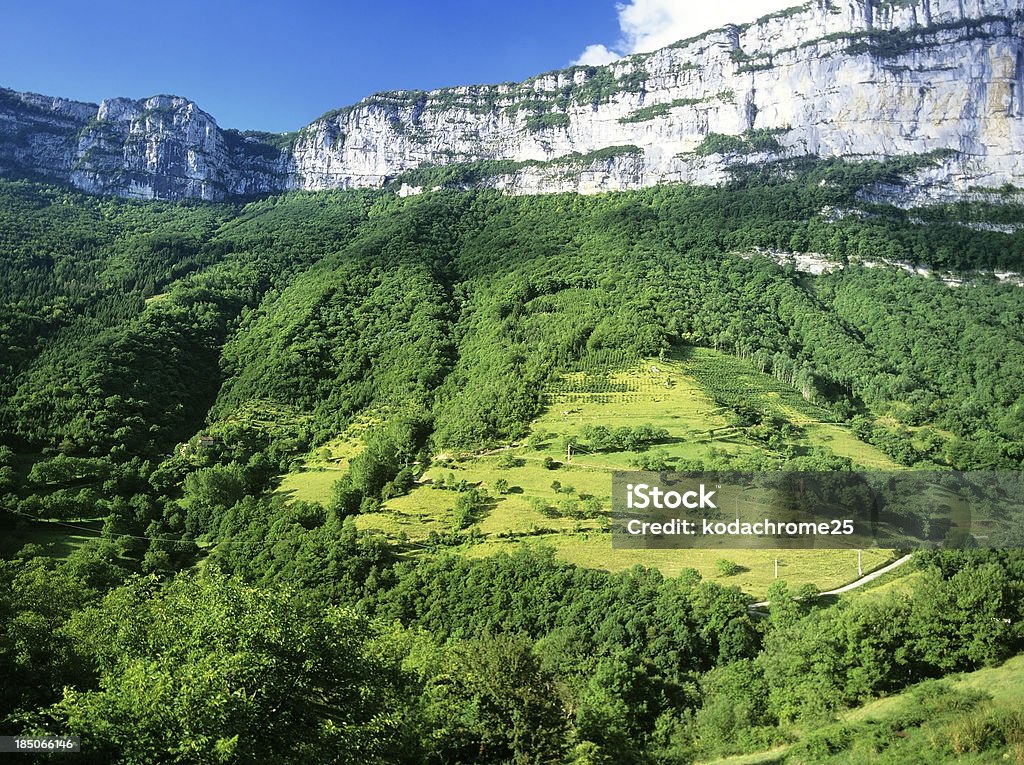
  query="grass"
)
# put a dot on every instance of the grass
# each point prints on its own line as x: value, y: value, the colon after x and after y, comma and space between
x: 1005, y: 684
x: 311, y: 485
x: 825, y: 569
x: 770, y: 757
x: 942, y: 740
x: 58, y: 539
x: 878, y: 735
x: 688, y: 395
x: 322, y: 467
x: 658, y: 392
x: 732, y: 379
x: 842, y: 442
x: 902, y: 579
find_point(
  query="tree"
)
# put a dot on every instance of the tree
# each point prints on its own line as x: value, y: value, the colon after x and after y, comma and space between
x: 492, y: 702
x: 963, y: 622
x: 212, y: 670
x: 209, y: 492
x: 735, y: 700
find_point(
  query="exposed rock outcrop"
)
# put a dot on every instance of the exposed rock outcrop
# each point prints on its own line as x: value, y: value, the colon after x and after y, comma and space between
x: 856, y: 79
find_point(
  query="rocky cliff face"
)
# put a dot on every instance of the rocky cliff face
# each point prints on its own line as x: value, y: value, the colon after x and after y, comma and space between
x: 162, y: 147
x: 856, y: 79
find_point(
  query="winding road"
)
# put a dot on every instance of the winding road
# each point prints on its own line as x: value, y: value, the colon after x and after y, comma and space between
x: 854, y: 584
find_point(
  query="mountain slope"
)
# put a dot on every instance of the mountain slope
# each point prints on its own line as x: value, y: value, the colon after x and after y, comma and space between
x: 138, y: 322
x: 871, y: 78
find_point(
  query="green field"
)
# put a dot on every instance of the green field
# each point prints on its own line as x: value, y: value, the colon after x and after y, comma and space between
x: 674, y: 394
x: 310, y: 484
x: 59, y: 540
x: 320, y: 469
x: 735, y: 379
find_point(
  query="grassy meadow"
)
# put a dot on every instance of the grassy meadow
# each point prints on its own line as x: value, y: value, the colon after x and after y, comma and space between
x: 561, y: 497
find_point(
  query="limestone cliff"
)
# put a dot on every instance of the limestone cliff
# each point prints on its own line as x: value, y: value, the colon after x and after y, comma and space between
x: 856, y: 79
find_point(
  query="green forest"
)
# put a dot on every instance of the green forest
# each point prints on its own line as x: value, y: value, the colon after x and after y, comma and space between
x: 166, y: 369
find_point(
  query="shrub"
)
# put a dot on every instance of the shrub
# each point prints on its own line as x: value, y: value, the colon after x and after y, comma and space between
x: 538, y: 122
x: 971, y: 733
x: 727, y: 567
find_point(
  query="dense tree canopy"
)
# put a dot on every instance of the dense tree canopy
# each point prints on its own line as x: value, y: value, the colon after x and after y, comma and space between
x: 162, y: 365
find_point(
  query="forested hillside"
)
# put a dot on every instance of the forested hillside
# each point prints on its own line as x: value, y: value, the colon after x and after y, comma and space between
x: 163, y: 366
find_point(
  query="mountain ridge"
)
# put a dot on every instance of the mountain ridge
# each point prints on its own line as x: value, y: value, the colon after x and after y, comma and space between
x: 871, y: 79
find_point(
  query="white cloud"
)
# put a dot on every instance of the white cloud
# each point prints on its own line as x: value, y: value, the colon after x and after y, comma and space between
x: 595, y: 55
x: 647, y: 25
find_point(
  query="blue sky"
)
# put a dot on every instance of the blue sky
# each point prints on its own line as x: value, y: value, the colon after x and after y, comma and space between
x: 276, y: 66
